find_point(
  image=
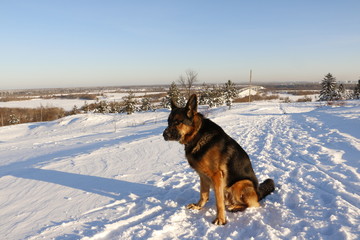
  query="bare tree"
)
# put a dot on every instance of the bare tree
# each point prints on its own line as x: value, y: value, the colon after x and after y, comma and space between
x: 188, y: 80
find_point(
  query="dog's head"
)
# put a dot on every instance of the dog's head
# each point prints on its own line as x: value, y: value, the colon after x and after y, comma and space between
x: 182, y: 122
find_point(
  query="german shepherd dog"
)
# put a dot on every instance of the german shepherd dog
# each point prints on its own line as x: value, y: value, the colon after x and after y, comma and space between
x: 218, y: 159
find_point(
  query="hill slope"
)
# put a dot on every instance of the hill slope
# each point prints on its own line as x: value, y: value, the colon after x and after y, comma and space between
x: 114, y: 177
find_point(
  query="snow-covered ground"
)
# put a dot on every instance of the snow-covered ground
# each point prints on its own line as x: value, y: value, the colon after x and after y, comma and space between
x: 66, y: 104
x: 244, y: 92
x: 97, y: 176
x: 294, y: 98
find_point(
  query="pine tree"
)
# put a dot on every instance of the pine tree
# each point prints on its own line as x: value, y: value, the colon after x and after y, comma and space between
x: 328, y: 88
x: 103, y: 107
x: 182, y: 101
x: 341, y: 92
x: 356, y: 93
x: 74, y: 110
x: 85, y: 107
x: 173, y: 95
x: 115, y: 107
x: 216, y: 97
x: 146, y: 104
x: 130, y: 103
x: 165, y: 103
x: 174, y: 92
x: 204, y: 95
x: 229, y: 92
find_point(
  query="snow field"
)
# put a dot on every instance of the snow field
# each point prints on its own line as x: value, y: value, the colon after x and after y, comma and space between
x: 67, y: 104
x: 96, y: 176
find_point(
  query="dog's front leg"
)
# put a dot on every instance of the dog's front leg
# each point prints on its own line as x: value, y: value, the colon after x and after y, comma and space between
x: 218, y: 181
x: 204, y: 194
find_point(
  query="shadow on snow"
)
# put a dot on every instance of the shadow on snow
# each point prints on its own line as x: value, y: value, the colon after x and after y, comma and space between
x: 99, y: 185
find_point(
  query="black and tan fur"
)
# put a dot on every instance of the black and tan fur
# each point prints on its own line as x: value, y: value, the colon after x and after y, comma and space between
x: 218, y: 159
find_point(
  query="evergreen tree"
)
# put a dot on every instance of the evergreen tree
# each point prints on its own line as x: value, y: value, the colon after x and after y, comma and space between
x: 165, y: 103
x: 146, y: 104
x: 328, y: 88
x: 74, y: 110
x: 173, y: 95
x: 86, y: 107
x: 229, y: 92
x: 341, y: 93
x: 130, y: 103
x: 102, y: 107
x: 182, y: 101
x: 216, y: 97
x: 356, y: 93
x: 115, y: 107
x: 204, y: 95
x: 174, y: 92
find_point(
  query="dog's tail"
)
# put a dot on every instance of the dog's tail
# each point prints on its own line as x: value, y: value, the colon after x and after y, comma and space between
x: 265, y: 188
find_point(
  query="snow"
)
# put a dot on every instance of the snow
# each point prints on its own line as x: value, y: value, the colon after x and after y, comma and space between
x: 95, y: 176
x: 67, y: 104
x: 294, y: 98
x: 245, y: 92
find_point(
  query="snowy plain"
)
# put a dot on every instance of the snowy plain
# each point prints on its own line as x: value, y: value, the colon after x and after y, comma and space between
x: 112, y: 176
x: 66, y: 104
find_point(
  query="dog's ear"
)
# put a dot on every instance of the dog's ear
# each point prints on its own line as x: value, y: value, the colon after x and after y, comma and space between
x: 173, y: 104
x: 191, y: 106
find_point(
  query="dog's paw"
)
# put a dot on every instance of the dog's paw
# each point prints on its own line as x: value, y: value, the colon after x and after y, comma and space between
x: 193, y: 206
x: 219, y: 221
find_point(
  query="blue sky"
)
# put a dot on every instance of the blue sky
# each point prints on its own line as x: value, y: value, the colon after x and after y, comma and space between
x: 72, y: 43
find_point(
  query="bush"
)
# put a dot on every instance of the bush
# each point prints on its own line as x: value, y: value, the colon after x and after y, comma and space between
x: 304, y: 92
x: 336, y: 103
x: 83, y: 96
x: 13, y: 119
x: 103, y: 107
x: 285, y: 99
x: 257, y: 97
x: 24, y: 115
x: 11, y: 99
x: 304, y: 99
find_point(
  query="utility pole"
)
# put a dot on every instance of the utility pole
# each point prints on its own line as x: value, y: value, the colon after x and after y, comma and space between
x: 250, y: 85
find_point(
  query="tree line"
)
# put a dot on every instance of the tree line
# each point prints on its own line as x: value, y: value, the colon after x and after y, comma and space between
x: 210, y: 95
x: 213, y: 96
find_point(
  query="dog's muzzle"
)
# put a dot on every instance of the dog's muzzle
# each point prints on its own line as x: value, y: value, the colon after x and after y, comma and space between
x: 171, y: 134
x: 166, y: 134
